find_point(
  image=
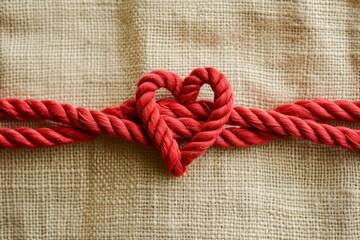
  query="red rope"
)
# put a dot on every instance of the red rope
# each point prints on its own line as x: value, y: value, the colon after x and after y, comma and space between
x: 165, y: 123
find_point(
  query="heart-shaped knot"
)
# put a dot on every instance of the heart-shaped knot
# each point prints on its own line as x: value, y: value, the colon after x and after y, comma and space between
x: 185, y: 92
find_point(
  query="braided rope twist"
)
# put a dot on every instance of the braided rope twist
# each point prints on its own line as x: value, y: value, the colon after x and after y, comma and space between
x: 166, y: 123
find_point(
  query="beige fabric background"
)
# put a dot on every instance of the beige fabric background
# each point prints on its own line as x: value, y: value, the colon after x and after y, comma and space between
x: 91, y: 53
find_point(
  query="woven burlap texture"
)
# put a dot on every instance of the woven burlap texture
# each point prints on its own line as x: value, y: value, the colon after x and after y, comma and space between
x: 91, y: 54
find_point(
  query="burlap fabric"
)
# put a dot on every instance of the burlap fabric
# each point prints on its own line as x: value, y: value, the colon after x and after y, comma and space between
x: 91, y: 53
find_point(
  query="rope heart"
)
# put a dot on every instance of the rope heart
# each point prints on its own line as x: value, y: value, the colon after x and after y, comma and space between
x: 166, y: 123
x: 175, y: 159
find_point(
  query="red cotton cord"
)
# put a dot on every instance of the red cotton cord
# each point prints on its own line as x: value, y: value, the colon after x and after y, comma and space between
x: 166, y: 123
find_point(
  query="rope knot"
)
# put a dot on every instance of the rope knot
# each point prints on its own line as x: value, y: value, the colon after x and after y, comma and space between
x: 185, y: 92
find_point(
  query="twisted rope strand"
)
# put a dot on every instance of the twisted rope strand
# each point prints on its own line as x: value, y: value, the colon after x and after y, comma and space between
x: 163, y: 124
x: 117, y: 124
x: 317, y: 109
